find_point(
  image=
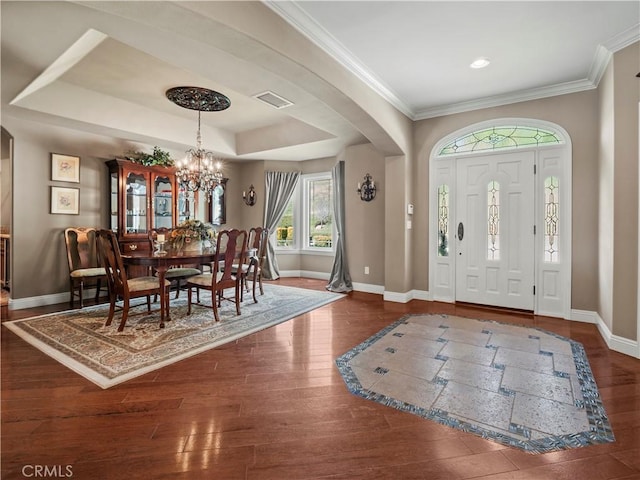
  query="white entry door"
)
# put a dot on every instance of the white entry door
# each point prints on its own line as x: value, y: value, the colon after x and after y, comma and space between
x: 494, y: 230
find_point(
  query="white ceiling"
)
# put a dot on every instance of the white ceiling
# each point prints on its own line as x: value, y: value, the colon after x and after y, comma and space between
x: 417, y: 53
x: 103, y: 67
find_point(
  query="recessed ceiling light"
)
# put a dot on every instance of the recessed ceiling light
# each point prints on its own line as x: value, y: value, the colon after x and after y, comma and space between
x: 480, y: 62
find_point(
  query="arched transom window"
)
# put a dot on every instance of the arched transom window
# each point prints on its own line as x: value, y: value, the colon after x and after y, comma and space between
x: 499, y: 137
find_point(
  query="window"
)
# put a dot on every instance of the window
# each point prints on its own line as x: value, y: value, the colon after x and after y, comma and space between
x: 551, y: 209
x: 493, y: 221
x: 284, y: 231
x: 307, y: 223
x: 499, y: 137
x: 443, y: 220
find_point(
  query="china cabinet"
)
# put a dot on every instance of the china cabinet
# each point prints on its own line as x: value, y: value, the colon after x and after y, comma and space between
x: 145, y: 197
x: 141, y: 197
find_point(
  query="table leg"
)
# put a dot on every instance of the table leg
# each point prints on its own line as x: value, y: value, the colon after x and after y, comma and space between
x: 163, y: 295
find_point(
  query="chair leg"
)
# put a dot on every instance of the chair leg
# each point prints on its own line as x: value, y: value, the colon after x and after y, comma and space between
x: 260, y: 280
x: 167, y: 314
x: 125, y: 313
x: 98, y: 290
x: 189, y: 300
x: 238, y: 295
x: 112, y: 309
x: 148, y: 303
x: 215, y: 306
x: 177, y: 288
x: 72, y: 290
x: 255, y: 274
x: 81, y: 292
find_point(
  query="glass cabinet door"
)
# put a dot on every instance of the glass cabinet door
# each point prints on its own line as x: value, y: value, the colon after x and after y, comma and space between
x: 186, y: 205
x: 162, y: 202
x: 218, y: 207
x: 113, y: 196
x: 136, y: 203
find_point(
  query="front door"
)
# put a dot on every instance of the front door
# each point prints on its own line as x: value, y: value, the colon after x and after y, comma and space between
x: 494, y: 230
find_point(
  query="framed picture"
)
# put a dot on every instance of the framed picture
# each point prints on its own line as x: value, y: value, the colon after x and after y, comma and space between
x: 65, y: 168
x: 65, y: 201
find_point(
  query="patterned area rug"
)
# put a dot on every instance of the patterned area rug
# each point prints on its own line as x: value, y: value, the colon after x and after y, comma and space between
x: 519, y: 386
x: 79, y: 340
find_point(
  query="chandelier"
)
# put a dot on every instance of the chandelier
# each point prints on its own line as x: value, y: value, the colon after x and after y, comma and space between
x: 199, y: 170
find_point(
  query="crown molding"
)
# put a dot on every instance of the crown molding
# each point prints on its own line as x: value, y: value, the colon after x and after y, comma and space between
x: 506, y: 99
x: 623, y: 39
x: 301, y: 21
x: 305, y: 24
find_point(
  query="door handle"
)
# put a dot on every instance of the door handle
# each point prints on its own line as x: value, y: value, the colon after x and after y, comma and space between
x: 460, y: 231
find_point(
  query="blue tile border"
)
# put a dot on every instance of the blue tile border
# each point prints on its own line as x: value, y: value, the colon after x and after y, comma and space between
x: 599, y: 427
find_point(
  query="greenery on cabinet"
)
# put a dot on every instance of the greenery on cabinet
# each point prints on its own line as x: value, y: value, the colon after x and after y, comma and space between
x: 158, y: 157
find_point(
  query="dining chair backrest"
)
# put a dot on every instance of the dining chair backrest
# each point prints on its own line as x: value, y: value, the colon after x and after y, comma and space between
x: 255, y: 239
x: 81, y: 247
x: 110, y: 254
x: 264, y: 239
x: 231, y: 247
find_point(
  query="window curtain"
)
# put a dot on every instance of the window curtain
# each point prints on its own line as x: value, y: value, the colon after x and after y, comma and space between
x: 340, y: 280
x: 279, y: 188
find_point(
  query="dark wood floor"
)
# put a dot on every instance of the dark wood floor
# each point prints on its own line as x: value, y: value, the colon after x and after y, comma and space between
x: 273, y: 406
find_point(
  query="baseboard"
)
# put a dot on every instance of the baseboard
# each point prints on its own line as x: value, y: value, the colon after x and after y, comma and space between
x: 365, y: 287
x: 51, y: 299
x: 40, y: 301
x: 304, y: 274
x: 614, y: 342
x: 358, y: 287
x: 422, y: 295
x: 404, y: 297
x: 368, y: 288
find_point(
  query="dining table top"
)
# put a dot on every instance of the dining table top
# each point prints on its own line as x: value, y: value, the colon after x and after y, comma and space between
x: 169, y: 256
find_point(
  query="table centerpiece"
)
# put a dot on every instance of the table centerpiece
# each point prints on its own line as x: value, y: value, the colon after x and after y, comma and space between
x: 192, y: 235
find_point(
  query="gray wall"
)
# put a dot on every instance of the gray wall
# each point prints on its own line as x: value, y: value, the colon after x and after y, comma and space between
x: 618, y: 169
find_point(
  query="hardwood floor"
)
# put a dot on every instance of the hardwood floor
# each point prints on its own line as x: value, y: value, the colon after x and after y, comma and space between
x: 273, y: 406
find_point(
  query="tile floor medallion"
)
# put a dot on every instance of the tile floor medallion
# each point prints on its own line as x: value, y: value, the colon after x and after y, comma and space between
x: 519, y: 386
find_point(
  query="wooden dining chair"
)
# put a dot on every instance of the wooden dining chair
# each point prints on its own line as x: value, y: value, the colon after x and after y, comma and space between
x: 84, y: 267
x: 178, y: 273
x: 123, y: 288
x: 231, y: 247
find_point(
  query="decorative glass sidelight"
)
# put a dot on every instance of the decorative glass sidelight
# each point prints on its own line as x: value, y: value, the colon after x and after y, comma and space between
x: 443, y: 220
x: 493, y: 221
x: 551, y: 209
x: 500, y: 137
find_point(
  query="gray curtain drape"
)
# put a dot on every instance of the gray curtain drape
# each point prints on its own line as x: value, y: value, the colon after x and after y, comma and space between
x: 340, y: 280
x: 279, y: 188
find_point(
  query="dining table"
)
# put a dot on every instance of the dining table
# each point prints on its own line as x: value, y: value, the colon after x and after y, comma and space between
x: 161, y: 261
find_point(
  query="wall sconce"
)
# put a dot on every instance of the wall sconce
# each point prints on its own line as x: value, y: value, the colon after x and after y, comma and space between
x: 250, y: 197
x: 367, y: 191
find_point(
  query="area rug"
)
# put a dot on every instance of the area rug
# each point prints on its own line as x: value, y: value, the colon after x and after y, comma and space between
x: 518, y: 386
x: 79, y: 340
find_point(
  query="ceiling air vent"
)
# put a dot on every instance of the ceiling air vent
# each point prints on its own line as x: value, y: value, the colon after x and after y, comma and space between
x: 274, y: 100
